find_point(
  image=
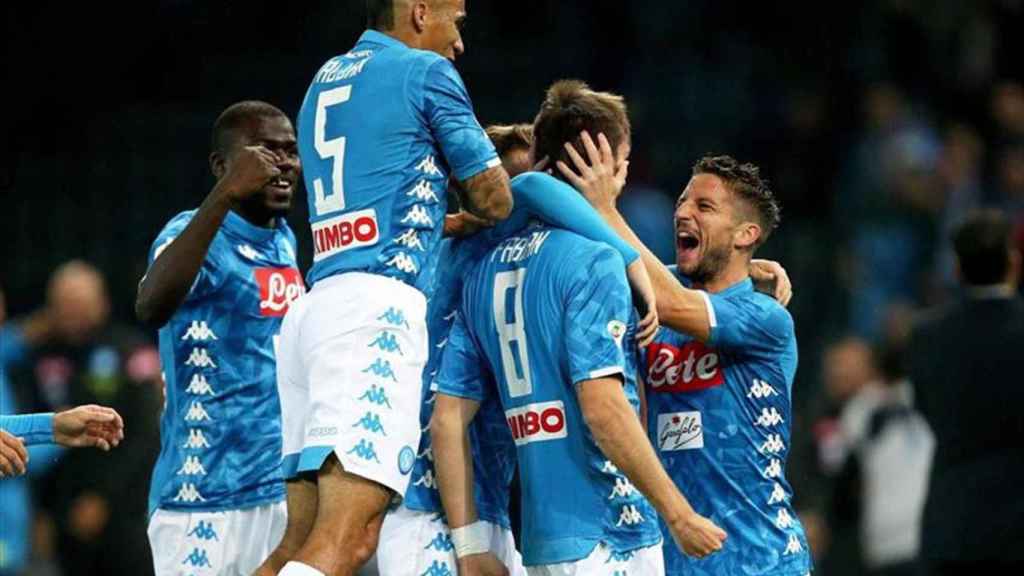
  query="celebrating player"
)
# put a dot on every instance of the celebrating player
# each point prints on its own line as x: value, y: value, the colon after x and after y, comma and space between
x: 546, y: 325
x: 380, y: 130
x: 719, y: 380
x: 220, y: 280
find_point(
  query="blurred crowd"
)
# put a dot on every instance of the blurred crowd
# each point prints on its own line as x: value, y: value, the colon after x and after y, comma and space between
x: 876, y: 158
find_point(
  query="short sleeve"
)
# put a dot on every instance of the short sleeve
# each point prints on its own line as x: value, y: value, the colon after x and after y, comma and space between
x: 210, y: 273
x: 543, y: 196
x: 462, y: 372
x: 748, y: 324
x: 598, y: 310
x: 449, y: 111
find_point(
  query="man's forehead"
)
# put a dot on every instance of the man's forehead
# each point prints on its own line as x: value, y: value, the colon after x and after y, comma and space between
x: 704, y: 186
x: 270, y: 128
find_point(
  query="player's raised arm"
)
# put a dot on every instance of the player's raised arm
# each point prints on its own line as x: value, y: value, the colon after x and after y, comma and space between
x: 241, y: 173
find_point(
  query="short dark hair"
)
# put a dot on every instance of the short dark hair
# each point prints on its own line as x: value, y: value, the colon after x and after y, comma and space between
x: 232, y: 118
x: 570, y: 106
x: 982, y: 245
x: 744, y: 180
x: 380, y: 14
x: 509, y: 137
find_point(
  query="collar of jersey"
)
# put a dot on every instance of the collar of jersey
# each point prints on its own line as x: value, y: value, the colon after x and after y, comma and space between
x: 374, y: 37
x: 238, y: 226
x: 745, y: 285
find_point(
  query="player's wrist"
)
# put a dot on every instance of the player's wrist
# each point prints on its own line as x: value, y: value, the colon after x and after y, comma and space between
x: 471, y: 539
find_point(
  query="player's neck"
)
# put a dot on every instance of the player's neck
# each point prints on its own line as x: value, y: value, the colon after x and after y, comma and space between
x: 262, y: 220
x: 737, y: 270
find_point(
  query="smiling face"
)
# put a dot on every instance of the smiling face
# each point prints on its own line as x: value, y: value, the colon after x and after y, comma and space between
x: 275, y: 133
x: 705, y: 226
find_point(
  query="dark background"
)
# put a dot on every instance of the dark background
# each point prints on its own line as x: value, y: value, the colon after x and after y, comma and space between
x: 878, y: 122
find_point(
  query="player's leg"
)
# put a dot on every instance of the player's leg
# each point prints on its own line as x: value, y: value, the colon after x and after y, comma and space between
x: 302, y: 507
x: 415, y: 542
x: 167, y: 539
x: 503, y: 544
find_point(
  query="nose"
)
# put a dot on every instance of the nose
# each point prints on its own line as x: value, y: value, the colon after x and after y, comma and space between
x: 684, y: 211
x: 459, y: 47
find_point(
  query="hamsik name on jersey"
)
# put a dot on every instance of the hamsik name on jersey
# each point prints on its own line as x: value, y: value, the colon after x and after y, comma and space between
x: 719, y: 417
x: 218, y: 358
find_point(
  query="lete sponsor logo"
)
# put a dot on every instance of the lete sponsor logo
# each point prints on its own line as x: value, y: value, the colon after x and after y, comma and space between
x: 279, y: 287
x: 537, y: 422
x: 687, y: 369
x: 680, y: 431
x: 343, y: 233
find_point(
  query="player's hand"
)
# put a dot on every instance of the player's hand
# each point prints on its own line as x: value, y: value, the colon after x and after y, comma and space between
x: 643, y: 297
x: 486, y: 564
x: 89, y: 425
x: 697, y: 536
x: 602, y: 178
x: 463, y: 224
x: 13, y: 455
x: 770, y: 278
x: 249, y: 170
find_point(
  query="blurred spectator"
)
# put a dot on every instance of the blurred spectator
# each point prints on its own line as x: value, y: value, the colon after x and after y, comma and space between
x: 97, y: 500
x: 1007, y: 107
x: 649, y: 212
x: 959, y: 172
x: 965, y: 363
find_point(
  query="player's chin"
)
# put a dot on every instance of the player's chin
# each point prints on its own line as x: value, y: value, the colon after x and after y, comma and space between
x: 278, y: 202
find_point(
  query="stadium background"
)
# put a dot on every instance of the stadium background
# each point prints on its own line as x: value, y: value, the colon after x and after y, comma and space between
x: 879, y: 123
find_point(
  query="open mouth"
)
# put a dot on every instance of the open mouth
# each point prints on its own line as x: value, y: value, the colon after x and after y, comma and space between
x: 686, y: 241
x: 280, y: 185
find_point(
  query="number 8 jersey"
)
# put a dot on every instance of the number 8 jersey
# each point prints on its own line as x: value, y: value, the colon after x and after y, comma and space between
x: 380, y: 130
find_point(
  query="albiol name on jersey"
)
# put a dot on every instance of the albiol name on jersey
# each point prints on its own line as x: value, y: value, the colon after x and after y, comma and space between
x: 692, y: 367
x: 344, y: 232
x: 537, y: 422
x: 279, y: 287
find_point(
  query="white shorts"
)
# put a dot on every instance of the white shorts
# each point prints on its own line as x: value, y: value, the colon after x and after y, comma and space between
x: 415, y: 542
x: 349, y: 373
x: 229, y: 543
x: 601, y: 562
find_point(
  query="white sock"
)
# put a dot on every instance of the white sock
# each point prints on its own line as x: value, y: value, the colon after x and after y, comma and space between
x: 299, y: 569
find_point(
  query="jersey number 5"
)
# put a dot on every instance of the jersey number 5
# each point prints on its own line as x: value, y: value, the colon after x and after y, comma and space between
x: 331, y: 199
x: 508, y: 318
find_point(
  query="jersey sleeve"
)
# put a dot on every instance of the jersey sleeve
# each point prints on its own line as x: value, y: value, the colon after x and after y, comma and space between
x: 462, y: 373
x: 543, y: 196
x: 32, y: 428
x: 597, y: 312
x: 449, y: 111
x: 748, y: 325
x: 211, y: 273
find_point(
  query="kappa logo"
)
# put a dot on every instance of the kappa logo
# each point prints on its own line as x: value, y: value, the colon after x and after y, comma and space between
x: 783, y: 520
x: 442, y: 543
x: 248, y: 251
x: 773, y: 444
x: 199, y: 386
x: 197, y: 559
x: 629, y: 516
x: 204, y: 531
x: 428, y: 166
x: 189, y: 493
x: 381, y: 368
x: 438, y: 568
x: 423, y: 192
x: 403, y: 262
x: 418, y: 216
x: 622, y: 489
x: 279, y: 288
x: 371, y: 423
x: 774, y: 469
x: 609, y: 468
x: 196, y: 413
x: 614, y: 556
x: 428, y: 454
x: 364, y: 449
x: 688, y: 369
x: 196, y: 440
x: 410, y: 239
x: 376, y: 395
x: 778, y: 495
x: 200, y: 358
x: 793, y: 546
x: 761, y: 389
x: 769, y: 417
x: 192, y: 467
x: 387, y: 343
x: 394, y: 316
x: 199, y: 331
x: 427, y: 480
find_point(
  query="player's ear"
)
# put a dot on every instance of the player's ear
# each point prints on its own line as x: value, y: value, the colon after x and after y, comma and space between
x: 420, y: 11
x: 746, y: 235
x: 218, y: 164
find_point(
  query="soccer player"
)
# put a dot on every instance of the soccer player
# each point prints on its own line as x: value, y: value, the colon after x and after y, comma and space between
x: 719, y: 378
x: 220, y: 280
x: 546, y: 325
x: 380, y: 130
x: 83, y: 426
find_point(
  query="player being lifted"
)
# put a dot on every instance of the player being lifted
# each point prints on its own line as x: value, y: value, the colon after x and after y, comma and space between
x: 219, y: 282
x: 546, y: 325
x: 719, y: 379
x: 380, y: 130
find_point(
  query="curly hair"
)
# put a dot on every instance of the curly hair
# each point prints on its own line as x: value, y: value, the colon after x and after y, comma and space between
x: 745, y: 181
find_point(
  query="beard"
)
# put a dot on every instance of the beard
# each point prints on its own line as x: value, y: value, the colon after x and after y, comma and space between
x: 711, y: 264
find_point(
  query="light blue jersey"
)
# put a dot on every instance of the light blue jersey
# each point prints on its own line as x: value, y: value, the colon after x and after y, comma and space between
x: 380, y: 131
x: 719, y: 416
x: 220, y: 433
x: 543, y: 311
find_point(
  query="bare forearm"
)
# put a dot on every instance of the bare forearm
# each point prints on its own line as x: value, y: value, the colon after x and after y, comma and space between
x: 619, y: 434
x: 488, y: 195
x: 453, y: 463
x: 679, y: 307
x: 171, y: 276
